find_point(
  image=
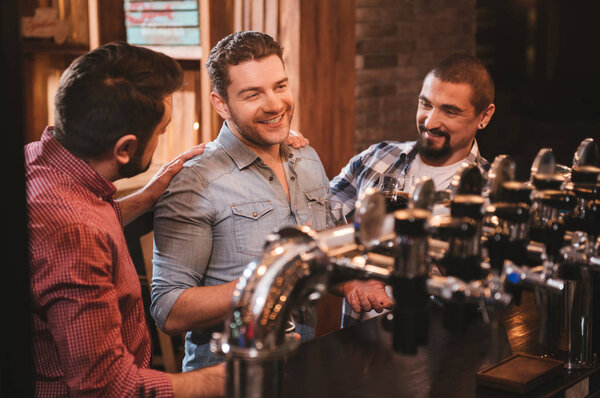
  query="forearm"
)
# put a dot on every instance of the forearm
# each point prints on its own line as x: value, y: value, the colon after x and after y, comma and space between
x: 133, y: 206
x: 207, y: 382
x: 199, y: 308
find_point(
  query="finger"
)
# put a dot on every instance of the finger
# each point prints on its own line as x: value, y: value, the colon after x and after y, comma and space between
x: 295, y: 142
x: 364, y: 301
x: 353, y: 301
x: 193, y: 151
x: 298, y: 139
x: 171, y: 168
x: 174, y: 166
x: 387, y: 303
x: 375, y: 303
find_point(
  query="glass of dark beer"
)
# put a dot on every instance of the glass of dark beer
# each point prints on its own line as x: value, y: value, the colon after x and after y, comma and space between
x: 397, y: 189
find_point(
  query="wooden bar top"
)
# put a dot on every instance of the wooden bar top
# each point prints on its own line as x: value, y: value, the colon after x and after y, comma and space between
x: 358, y: 361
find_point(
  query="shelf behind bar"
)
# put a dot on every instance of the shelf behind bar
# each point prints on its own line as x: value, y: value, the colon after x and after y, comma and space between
x: 30, y: 46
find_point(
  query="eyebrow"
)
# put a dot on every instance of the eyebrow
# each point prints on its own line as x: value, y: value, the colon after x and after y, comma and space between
x: 445, y: 107
x: 247, y: 89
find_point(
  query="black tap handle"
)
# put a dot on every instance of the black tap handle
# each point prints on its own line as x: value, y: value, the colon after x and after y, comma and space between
x: 497, y: 246
x: 462, y: 228
x: 410, y: 320
x: 593, y: 218
x: 554, y: 239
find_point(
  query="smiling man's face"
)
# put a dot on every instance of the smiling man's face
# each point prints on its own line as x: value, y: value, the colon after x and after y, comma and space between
x: 260, y: 103
x: 447, y: 121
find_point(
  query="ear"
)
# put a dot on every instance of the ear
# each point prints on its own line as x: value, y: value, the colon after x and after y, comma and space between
x: 125, y: 148
x: 486, y: 116
x: 220, y: 105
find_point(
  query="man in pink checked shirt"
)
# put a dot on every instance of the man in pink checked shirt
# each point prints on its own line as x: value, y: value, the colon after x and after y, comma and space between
x: 89, y: 328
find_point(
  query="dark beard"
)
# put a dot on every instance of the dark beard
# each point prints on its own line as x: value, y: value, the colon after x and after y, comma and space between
x: 429, y: 152
x: 134, y: 166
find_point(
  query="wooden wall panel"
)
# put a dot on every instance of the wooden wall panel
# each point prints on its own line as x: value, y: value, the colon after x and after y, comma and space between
x: 289, y: 39
x: 216, y: 22
x: 111, y: 21
x: 327, y: 52
x: 271, y: 17
x: 258, y: 15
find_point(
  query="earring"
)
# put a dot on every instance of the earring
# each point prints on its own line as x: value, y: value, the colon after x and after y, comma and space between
x: 481, y: 125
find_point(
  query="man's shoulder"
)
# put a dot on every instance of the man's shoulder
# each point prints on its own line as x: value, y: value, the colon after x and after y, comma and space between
x: 63, y: 205
x: 384, y: 150
x: 306, y: 152
x: 210, y: 165
x: 388, y: 146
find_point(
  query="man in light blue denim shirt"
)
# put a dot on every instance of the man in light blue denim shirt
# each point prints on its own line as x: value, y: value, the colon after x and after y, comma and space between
x: 215, y: 216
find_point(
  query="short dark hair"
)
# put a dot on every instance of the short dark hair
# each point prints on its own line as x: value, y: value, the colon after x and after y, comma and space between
x: 114, y: 90
x: 233, y: 50
x: 465, y: 68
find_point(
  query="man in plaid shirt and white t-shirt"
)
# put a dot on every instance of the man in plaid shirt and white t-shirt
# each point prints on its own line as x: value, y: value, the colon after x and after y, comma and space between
x: 456, y: 101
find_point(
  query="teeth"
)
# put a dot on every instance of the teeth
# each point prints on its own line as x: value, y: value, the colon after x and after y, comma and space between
x: 430, y: 134
x: 273, y: 121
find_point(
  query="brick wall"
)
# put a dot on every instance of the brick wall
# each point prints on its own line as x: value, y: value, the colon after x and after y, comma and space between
x: 397, y: 43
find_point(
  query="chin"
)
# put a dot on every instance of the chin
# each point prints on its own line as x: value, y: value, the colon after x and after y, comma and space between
x: 276, y: 137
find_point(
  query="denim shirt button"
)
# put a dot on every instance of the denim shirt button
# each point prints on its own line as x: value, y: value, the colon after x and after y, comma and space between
x: 291, y: 155
x: 271, y: 178
x: 254, y: 214
x: 293, y: 178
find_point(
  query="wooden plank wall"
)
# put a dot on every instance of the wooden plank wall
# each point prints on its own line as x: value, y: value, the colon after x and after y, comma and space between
x: 327, y: 51
x: 216, y: 22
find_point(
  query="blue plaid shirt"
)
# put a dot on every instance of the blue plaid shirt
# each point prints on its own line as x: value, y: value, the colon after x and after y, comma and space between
x: 359, y: 173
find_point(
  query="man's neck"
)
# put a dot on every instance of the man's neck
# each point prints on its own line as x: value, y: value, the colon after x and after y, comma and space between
x: 105, y: 168
x: 268, y: 153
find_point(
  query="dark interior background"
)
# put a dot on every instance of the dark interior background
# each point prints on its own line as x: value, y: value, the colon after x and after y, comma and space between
x: 16, y: 360
x: 543, y: 56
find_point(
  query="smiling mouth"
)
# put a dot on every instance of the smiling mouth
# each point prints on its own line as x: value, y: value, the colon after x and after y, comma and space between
x: 435, y: 133
x: 274, y: 120
x: 429, y: 133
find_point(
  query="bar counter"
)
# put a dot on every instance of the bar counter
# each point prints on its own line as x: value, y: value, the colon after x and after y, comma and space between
x: 359, y: 361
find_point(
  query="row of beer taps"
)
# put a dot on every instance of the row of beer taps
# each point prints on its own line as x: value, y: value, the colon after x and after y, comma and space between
x: 475, y: 246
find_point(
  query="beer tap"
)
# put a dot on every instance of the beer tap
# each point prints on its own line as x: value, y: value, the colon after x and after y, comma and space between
x: 462, y: 229
x: 581, y: 268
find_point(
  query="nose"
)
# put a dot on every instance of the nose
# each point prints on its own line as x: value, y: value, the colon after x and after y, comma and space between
x: 272, y: 103
x: 432, y: 120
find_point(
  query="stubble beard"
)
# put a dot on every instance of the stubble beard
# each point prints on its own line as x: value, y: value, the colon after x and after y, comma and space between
x: 252, y: 134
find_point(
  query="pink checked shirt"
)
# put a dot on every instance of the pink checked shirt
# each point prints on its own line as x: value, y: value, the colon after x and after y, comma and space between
x: 90, y: 331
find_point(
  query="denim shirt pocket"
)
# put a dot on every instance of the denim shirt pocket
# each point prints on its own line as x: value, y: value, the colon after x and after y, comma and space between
x: 318, y: 194
x: 252, y: 222
x: 315, y: 199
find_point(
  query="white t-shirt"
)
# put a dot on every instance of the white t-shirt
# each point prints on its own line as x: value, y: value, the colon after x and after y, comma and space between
x: 441, y: 175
